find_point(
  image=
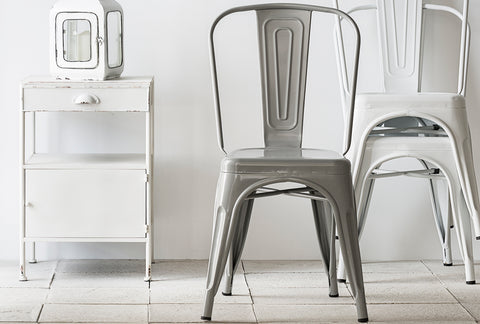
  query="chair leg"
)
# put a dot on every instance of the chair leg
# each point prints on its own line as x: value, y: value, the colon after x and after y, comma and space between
x: 238, y: 244
x: 448, y: 233
x: 466, y: 173
x: 363, y: 203
x: 463, y: 228
x: 217, y: 259
x: 325, y: 228
x: 226, y: 211
x: 442, y: 223
x: 218, y: 255
x: 346, y: 220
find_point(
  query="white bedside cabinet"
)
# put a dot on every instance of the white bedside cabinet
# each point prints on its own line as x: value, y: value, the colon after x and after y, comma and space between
x: 85, y: 197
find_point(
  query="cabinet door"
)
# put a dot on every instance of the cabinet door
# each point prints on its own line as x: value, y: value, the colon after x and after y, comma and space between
x: 85, y: 203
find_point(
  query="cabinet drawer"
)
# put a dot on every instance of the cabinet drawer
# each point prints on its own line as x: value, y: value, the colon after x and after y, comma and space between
x: 86, y: 99
x: 85, y: 203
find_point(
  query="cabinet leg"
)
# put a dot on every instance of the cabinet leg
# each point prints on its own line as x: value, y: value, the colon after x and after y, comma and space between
x: 148, y: 259
x: 152, y: 247
x: 33, y: 259
x: 22, y: 276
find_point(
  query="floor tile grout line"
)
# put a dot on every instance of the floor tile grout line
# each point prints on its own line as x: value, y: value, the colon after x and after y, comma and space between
x: 105, y: 304
x: 57, y: 263
x: 249, y: 291
x: 434, y: 274
x: 149, y: 299
x: 460, y: 303
x: 39, y: 314
x: 283, y: 271
x: 430, y: 270
x: 448, y: 290
x: 411, y: 303
x: 49, y: 288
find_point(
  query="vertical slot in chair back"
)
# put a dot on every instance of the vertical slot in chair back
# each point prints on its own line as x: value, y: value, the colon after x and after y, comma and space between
x: 400, y: 32
x: 283, y: 36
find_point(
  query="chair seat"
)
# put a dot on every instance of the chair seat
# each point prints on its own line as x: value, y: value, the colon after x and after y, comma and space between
x: 409, y: 144
x: 284, y: 161
x: 411, y: 101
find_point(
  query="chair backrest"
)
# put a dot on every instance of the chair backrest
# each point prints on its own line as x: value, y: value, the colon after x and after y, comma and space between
x: 283, y: 35
x: 400, y: 34
x: 400, y: 26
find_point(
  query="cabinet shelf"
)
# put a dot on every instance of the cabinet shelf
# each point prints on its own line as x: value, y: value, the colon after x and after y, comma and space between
x: 125, y: 161
x: 87, y: 240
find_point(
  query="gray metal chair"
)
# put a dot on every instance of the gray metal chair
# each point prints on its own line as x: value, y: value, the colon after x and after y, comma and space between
x: 246, y: 174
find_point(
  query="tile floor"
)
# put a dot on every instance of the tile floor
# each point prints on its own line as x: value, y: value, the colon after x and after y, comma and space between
x: 113, y: 291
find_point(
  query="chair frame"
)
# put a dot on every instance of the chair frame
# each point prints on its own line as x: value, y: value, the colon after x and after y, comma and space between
x: 439, y: 129
x: 229, y: 237
x: 350, y: 98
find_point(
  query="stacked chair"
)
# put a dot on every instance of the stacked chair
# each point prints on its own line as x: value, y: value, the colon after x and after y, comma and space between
x: 322, y: 176
x: 403, y: 121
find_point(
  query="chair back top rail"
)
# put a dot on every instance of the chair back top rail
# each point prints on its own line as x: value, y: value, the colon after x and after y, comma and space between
x: 400, y: 34
x: 283, y: 36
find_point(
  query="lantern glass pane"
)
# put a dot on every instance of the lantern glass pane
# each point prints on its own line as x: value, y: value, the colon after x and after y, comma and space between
x: 77, y: 40
x: 114, y: 39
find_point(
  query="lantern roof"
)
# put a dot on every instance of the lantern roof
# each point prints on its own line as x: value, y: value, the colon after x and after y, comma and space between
x: 86, y: 6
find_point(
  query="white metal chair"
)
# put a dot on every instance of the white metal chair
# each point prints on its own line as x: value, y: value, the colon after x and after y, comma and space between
x: 403, y: 121
x: 246, y: 174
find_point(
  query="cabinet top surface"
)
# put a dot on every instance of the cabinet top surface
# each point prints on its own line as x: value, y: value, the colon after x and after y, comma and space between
x: 49, y: 81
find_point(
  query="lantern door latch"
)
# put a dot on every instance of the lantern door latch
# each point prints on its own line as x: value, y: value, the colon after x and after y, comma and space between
x: 86, y: 99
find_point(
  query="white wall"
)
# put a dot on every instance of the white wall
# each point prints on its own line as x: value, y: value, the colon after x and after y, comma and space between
x: 168, y: 39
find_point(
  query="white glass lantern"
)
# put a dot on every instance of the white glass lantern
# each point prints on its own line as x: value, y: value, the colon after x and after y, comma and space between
x: 86, y: 39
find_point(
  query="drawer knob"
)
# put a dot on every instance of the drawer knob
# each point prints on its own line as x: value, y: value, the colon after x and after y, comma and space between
x: 86, y: 99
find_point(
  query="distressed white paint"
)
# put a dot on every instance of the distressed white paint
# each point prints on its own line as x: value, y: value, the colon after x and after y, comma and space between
x: 126, y: 94
x: 88, y: 197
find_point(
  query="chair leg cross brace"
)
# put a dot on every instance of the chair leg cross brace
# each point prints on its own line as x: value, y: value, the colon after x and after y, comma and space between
x: 424, y: 173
